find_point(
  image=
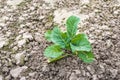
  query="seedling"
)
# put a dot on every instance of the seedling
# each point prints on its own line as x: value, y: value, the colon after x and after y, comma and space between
x: 68, y: 43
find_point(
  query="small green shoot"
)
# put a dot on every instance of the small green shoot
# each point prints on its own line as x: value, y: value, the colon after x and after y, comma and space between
x: 68, y: 43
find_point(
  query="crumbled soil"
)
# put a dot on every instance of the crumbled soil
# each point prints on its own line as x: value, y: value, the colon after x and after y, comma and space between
x: 34, y: 17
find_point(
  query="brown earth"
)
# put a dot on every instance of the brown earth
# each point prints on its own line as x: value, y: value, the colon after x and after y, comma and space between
x: 22, y: 41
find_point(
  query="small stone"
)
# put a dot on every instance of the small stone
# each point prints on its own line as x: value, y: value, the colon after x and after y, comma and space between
x: 63, y: 13
x: 102, y: 68
x: 88, y: 68
x: 20, y: 58
x: 21, y: 26
x: 85, y: 1
x: 21, y: 19
x: 104, y: 27
x: 94, y: 77
x: 92, y: 41
x: 32, y: 8
x: 78, y: 72
x: 8, y: 77
x: 73, y: 77
x: 15, y: 48
x: 3, y: 42
x: 109, y: 43
x: 8, y: 33
x: 114, y: 36
x: 1, y: 78
x: 26, y: 58
x: 10, y: 63
x: 48, y: 24
x: 5, y: 69
x: 91, y: 69
x: 45, y: 68
x: 38, y: 37
x: 32, y: 74
x: 114, y: 72
x: 106, y: 33
x: 116, y: 12
x: 83, y: 17
x: 5, y: 18
x: 19, y: 37
x: 41, y: 17
x: 21, y: 42
x: 118, y: 1
x: 25, y: 15
x: 22, y: 30
x: 83, y: 72
x: 16, y: 72
x: 2, y: 24
x: 14, y: 2
x: 27, y: 36
x: 88, y: 74
x: 22, y: 78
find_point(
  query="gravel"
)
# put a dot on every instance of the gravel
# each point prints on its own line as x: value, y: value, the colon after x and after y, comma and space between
x: 16, y: 72
x: 22, y: 27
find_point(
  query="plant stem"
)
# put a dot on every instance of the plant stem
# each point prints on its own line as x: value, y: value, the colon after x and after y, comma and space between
x: 58, y: 58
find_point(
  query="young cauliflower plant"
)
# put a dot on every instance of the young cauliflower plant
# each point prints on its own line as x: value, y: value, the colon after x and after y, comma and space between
x: 68, y: 43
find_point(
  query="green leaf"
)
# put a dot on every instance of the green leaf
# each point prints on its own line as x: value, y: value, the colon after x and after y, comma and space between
x: 53, y: 51
x: 71, y: 24
x: 87, y: 57
x: 58, y: 37
x: 48, y: 35
x: 80, y: 43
